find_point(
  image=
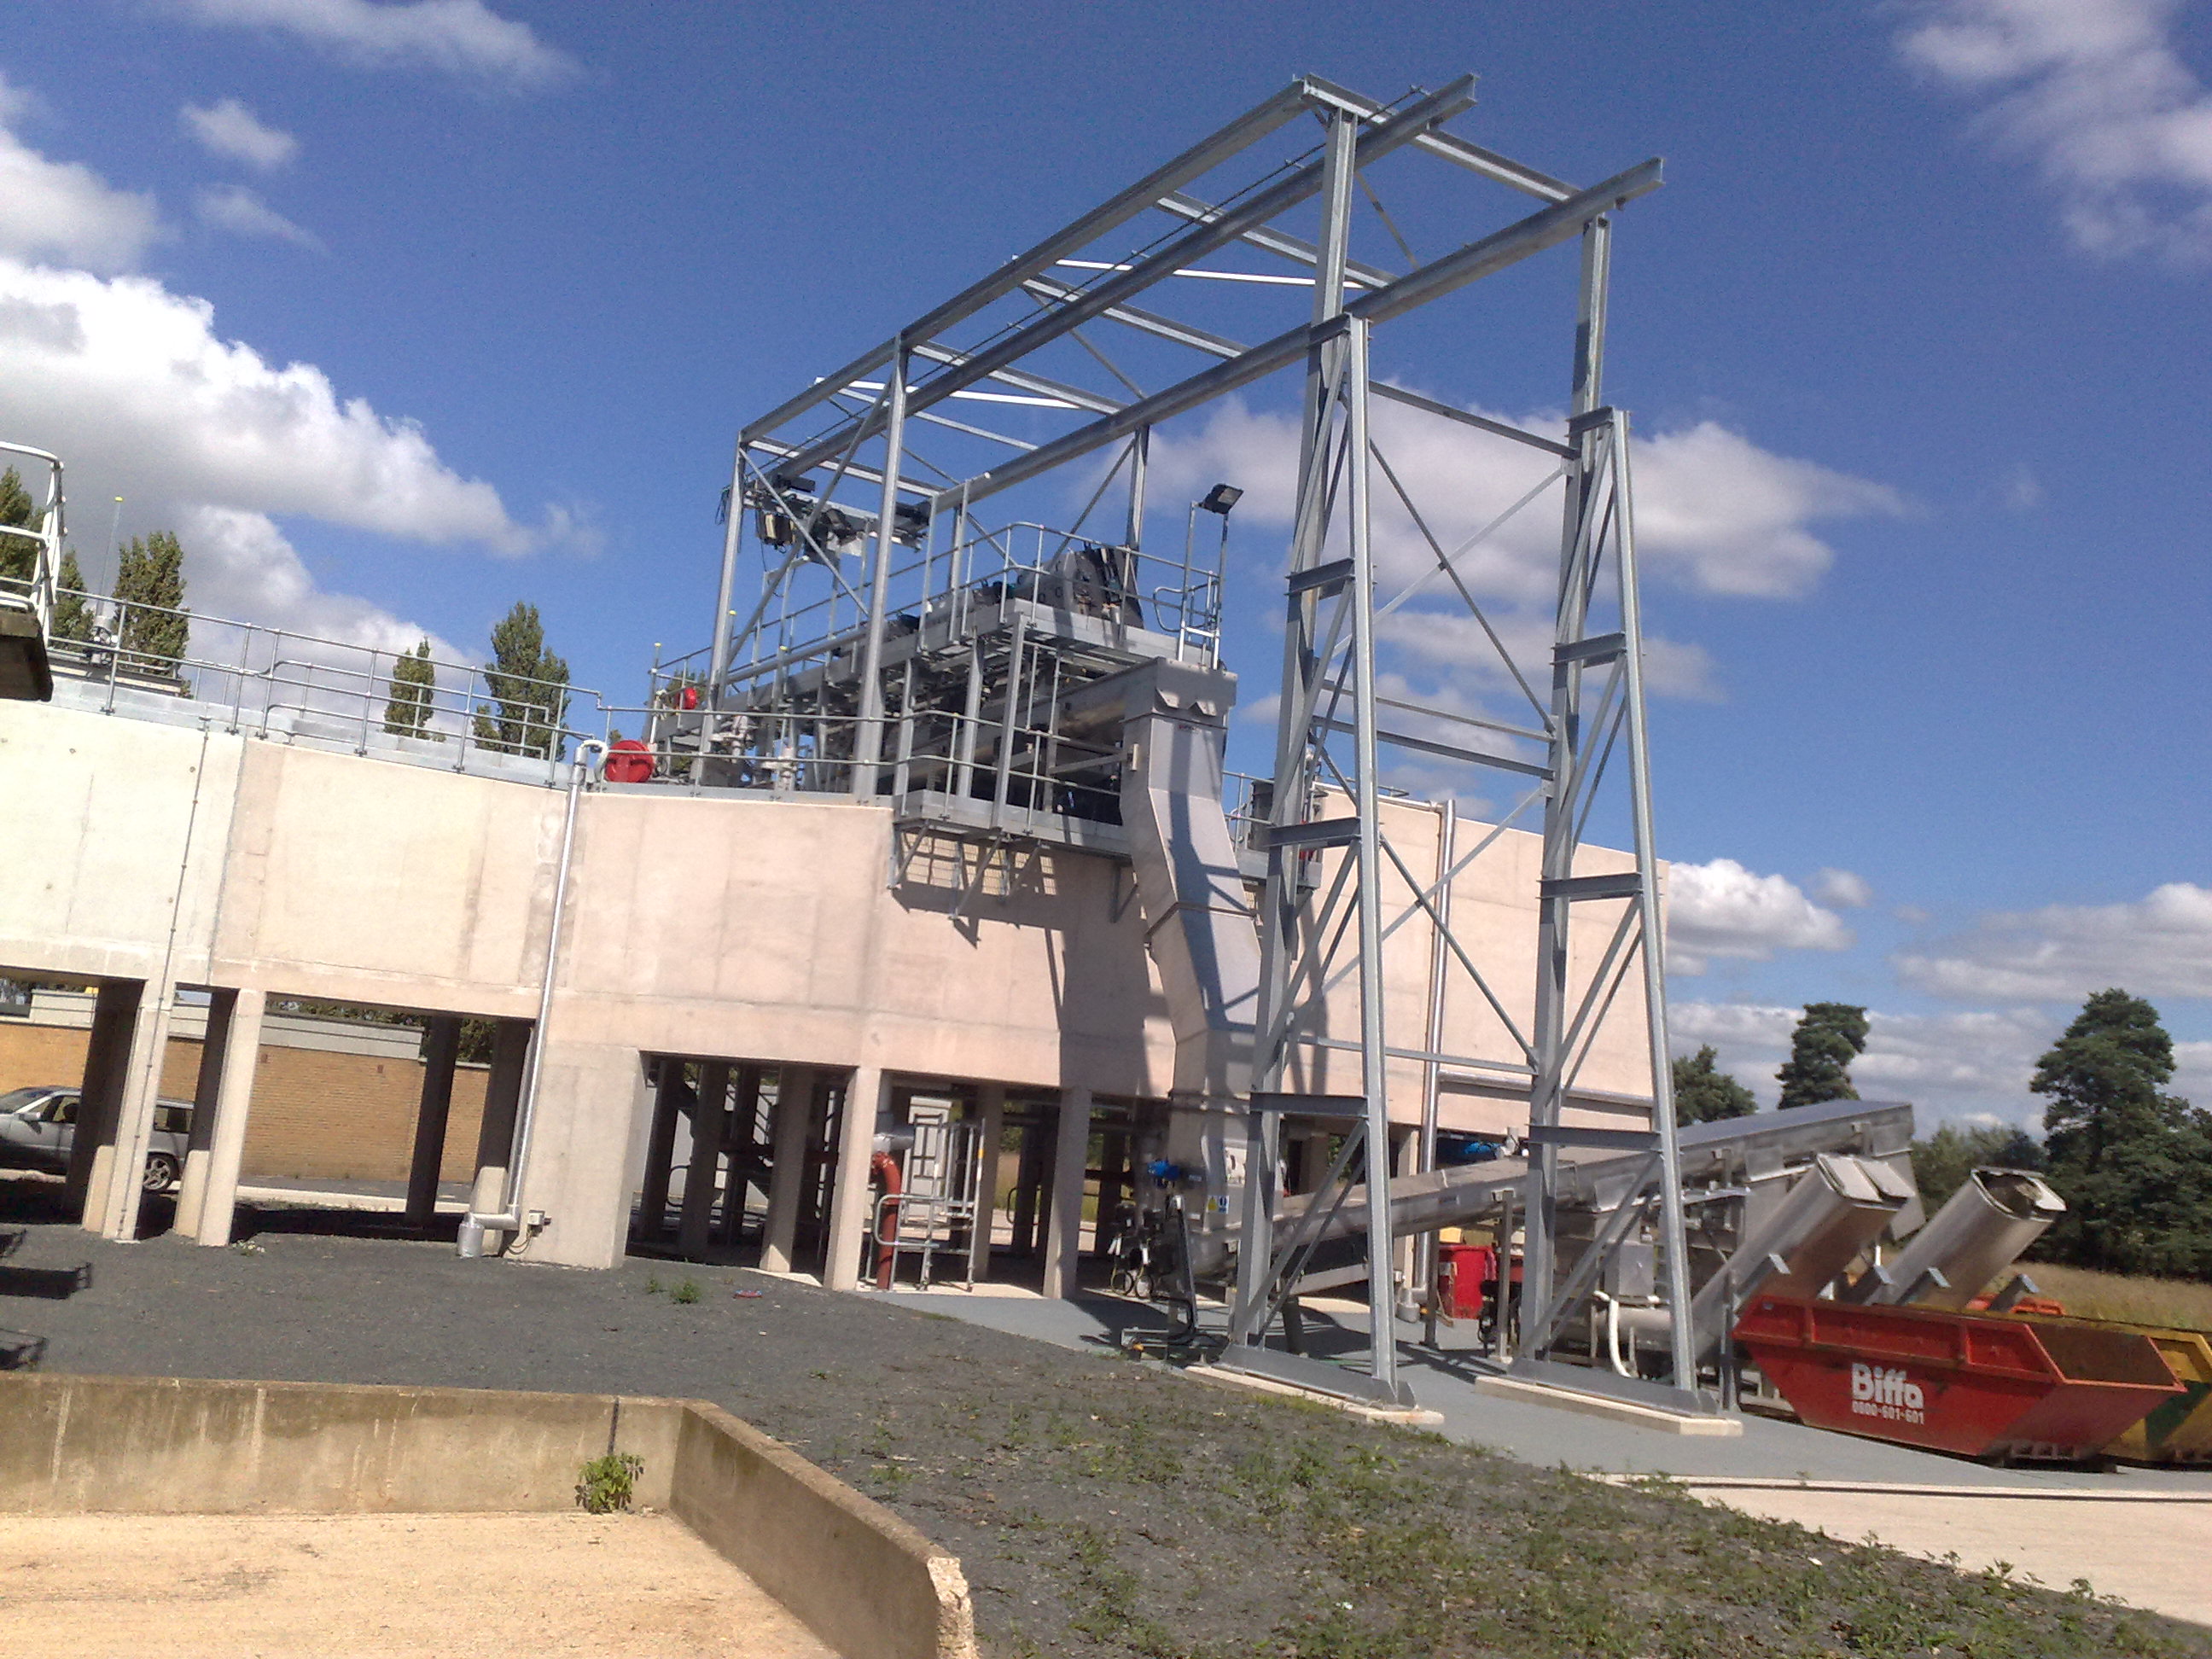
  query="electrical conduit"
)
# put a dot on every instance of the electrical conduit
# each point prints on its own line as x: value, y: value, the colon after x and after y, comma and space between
x: 509, y: 1218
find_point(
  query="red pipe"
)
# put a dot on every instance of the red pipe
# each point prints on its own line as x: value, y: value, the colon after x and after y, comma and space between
x: 884, y: 1167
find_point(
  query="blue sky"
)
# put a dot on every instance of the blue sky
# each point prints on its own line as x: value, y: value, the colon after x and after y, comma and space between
x: 1916, y: 335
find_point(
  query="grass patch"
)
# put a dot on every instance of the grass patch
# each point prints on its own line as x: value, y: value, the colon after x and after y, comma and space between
x: 2092, y: 1295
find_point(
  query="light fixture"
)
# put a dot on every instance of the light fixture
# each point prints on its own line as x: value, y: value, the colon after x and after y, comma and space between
x: 1221, y: 498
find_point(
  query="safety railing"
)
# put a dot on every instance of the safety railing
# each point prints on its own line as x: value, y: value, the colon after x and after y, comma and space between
x: 979, y: 570
x: 30, y: 555
x: 274, y: 682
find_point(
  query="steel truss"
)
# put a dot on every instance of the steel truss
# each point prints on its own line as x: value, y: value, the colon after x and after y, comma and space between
x: 895, y: 632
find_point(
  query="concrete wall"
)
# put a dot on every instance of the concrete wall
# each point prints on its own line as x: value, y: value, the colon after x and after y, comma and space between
x: 862, y: 1580
x: 738, y: 927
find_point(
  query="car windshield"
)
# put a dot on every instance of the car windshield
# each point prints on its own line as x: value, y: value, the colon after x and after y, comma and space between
x: 16, y: 1099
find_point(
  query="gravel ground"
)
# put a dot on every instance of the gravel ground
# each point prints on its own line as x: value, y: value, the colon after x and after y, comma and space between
x: 1103, y: 1508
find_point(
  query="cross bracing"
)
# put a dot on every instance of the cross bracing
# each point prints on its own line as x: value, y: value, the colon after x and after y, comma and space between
x: 951, y: 535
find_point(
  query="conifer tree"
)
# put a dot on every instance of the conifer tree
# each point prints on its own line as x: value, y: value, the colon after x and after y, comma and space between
x: 72, y: 615
x: 528, y: 684
x: 2133, y: 1163
x: 151, y: 573
x: 1830, y: 1036
x: 1705, y: 1093
x: 19, y: 555
x: 414, y: 688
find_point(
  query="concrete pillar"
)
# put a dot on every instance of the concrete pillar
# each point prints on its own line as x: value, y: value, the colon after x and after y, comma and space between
x: 991, y: 1121
x: 849, y: 1199
x: 1071, y: 1153
x: 787, y: 1124
x: 115, y: 1184
x: 232, y: 1102
x: 510, y: 1056
x: 1029, y: 1180
x: 191, y: 1185
x: 669, y: 1095
x: 744, y: 1155
x: 709, y: 1123
x: 442, y: 1053
x: 106, y: 1072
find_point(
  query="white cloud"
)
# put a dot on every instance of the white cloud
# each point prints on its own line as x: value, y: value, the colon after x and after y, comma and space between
x: 229, y: 129
x: 1842, y: 889
x: 1723, y: 910
x: 1951, y: 1066
x: 64, y: 211
x: 1713, y: 510
x: 241, y: 564
x: 457, y: 37
x: 240, y: 211
x: 2160, y: 946
x: 2098, y: 93
x: 121, y: 375
x: 1731, y: 518
x: 2021, y: 490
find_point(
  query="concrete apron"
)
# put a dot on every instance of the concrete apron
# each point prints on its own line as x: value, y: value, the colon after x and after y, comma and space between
x: 865, y: 1583
x: 2147, y: 1549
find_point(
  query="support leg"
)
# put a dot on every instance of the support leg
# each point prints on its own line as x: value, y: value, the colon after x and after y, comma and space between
x: 191, y: 1187
x: 232, y: 1102
x: 991, y: 1109
x: 849, y: 1199
x: 442, y: 1053
x: 671, y: 1093
x: 744, y: 1155
x: 510, y: 1054
x: 709, y: 1122
x: 100, y: 1103
x: 119, y: 1171
x: 795, y: 1103
x: 1070, y: 1158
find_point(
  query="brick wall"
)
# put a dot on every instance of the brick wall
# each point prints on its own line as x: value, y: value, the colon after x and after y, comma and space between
x: 317, y: 1114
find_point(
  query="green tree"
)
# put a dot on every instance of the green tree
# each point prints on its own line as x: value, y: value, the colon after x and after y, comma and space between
x: 528, y: 684
x: 2133, y: 1163
x: 19, y: 556
x: 1830, y: 1036
x: 151, y: 573
x: 414, y: 687
x: 72, y: 615
x: 1703, y: 1093
x: 1941, y: 1163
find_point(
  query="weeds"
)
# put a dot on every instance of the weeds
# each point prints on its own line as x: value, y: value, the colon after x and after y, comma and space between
x: 608, y: 1483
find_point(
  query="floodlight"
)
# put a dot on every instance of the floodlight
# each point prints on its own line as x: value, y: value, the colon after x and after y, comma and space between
x: 1221, y: 498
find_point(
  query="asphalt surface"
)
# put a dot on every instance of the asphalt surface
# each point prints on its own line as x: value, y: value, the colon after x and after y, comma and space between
x: 1103, y: 1509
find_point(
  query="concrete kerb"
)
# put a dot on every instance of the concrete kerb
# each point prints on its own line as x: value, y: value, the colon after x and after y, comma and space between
x: 863, y: 1581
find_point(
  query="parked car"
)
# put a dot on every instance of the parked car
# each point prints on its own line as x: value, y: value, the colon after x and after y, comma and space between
x: 38, y: 1130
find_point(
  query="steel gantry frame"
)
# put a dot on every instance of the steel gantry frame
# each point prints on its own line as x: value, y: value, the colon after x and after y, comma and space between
x: 1025, y: 341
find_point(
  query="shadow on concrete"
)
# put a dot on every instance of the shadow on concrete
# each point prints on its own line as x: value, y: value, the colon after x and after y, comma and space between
x: 253, y: 1220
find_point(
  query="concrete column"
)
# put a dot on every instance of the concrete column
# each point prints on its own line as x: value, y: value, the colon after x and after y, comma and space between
x: 106, y: 1072
x: 709, y: 1122
x: 510, y: 1055
x: 991, y: 1121
x: 1071, y: 1153
x: 192, y: 1185
x: 669, y: 1095
x: 134, y: 1129
x: 744, y: 1155
x: 849, y: 1200
x: 788, y: 1123
x: 442, y: 1053
x: 233, y: 1101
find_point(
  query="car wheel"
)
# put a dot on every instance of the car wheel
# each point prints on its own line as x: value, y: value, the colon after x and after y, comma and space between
x: 160, y: 1172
